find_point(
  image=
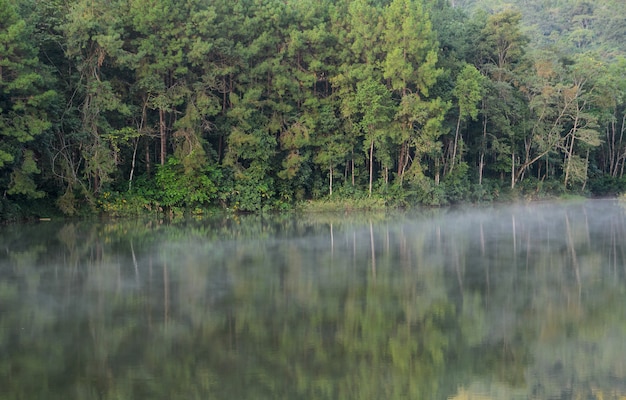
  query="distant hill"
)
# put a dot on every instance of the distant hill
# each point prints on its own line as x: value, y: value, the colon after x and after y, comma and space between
x: 572, y: 25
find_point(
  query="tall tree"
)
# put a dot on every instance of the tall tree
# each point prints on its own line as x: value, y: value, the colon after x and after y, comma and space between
x: 160, y: 45
x: 546, y: 91
x: 502, y: 44
x: 332, y: 149
x: 25, y: 95
x: 613, y: 156
x: 468, y: 92
x: 93, y: 34
x: 501, y: 52
x: 258, y: 112
x: 357, y: 27
x: 302, y: 83
x: 583, y: 115
x: 411, y: 70
x: 372, y: 103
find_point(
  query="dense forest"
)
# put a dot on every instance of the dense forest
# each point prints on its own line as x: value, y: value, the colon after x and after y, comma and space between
x: 123, y: 107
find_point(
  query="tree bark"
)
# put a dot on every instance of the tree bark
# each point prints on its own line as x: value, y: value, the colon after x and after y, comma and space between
x: 132, y: 165
x: 163, y: 134
x: 570, y: 151
x: 371, y: 166
x: 330, y: 184
x: 483, y: 145
x: 512, y: 170
x: 456, y: 141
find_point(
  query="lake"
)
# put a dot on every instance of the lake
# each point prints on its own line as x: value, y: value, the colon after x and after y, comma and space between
x: 497, y: 302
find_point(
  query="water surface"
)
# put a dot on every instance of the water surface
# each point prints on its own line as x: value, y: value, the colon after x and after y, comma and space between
x: 517, y: 302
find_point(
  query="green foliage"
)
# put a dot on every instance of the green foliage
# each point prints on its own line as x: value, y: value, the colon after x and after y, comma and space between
x: 22, y: 178
x: 180, y: 187
x: 502, y: 44
x: 248, y: 193
x: 25, y: 97
x: 76, y: 201
x: 425, y: 191
x: 468, y: 91
x: 126, y: 204
x: 9, y: 211
x: 486, y: 192
x: 299, y: 100
x: 175, y: 187
x: 607, y: 185
x: 456, y: 185
x: 410, y: 43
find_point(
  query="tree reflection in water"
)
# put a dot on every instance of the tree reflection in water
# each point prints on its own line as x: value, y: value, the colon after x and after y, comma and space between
x: 492, y: 303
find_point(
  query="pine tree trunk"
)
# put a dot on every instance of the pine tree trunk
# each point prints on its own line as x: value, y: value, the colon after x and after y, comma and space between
x: 352, y: 170
x: 163, y: 133
x: 512, y: 170
x: 481, y: 165
x: 456, y: 141
x: 330, y: 184
x: 371, y: 166
x: 586, y: 170
x: 132, y: 165
x: 571, y: 148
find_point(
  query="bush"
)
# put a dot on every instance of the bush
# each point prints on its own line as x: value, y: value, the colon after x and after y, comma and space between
x: 456, y: 185
x: 9, y: 211
x: 124, y: 204
x: 428, y: 193
x: 173, y: 189
x: 606, y: 185
x: 487, y: 192
x: 180, y: 187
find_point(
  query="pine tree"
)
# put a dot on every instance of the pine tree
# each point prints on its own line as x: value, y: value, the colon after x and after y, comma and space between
x: 25, y: 96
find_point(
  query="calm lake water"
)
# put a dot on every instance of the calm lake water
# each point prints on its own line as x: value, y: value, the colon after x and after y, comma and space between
x: 519, y: 302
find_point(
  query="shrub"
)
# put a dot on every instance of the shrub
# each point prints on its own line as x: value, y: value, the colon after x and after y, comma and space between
x: 187, y: 188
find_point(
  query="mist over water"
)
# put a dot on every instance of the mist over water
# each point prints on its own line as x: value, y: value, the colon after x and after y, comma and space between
x: 511, y: 302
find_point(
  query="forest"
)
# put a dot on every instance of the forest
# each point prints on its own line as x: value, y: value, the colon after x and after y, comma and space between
x: 160, y: 106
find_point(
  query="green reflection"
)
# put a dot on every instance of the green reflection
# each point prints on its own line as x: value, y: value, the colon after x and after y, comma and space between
x: 499, y: 303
